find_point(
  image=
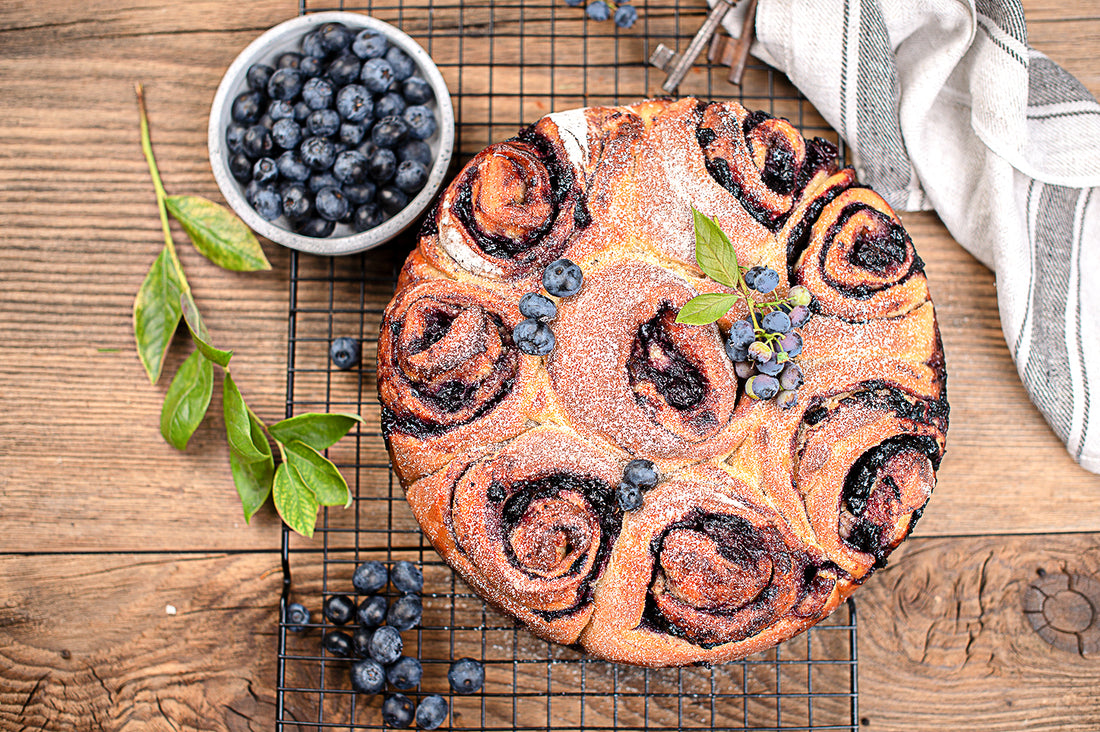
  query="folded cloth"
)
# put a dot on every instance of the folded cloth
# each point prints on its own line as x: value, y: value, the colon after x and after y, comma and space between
x: 944, y: 105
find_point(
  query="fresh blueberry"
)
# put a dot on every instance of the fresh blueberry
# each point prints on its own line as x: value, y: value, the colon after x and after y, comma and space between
x: 405, y: 612
x: 416, y: 90
x: 386, y: 645
x: 339, y: 609
x: 407, y: 577
x: 382, y: 165
x: 344, y: 69
x: 762, y: 279
x: 360, y: 641
x: 345, y: 354
x: 257, y: 76
x: 742, y: 333
x: 268, y: 203
x: 247, y: 108
x: 642, y: 473
x: 318, y: 93
x: 257, y: 142
x: 787, y: 399
x: 323, y: 123
x: 625, y: 16
x: 317, y: 152
x: 296, y: 201
x: 397, y: 710
x: 771, y: 367
x: 799, y: 315
x: 791, y: 377
x: 368, y: 676
x: 297, y: 617
x: 350, y: 166
x: 562, y: 278
x: 744, y: 369
x: 421, y: 121
x: 279, y: 109
x: 354, y: 103
x: 352, y: 134
x: 791, y: 344
x: 288, y: 60
x: 311, y: 67
x: 574, y: 3
x: 234, y: 137
x: 372, y: 611
x: 431, y: 712
x: 760, y: 352
x: 284, y: 84
x: 334, y: 37
x: 286, y: 133
x: 534, y: 305
x: 405, y: 674
x: 240, y: 166
x: 265, y: 171
x: 735, y: 352
x: 533, y: 337
x: 368, y: 148
x: 366, y: 217
x: 630, y: 496
x: 291, y: 166
x: 316, y: 227
x: 411, y: 176
x: 416, y: 150
x: 403, y: 66
x: 338, y: 643
x: 466, y: 676
x: 369, y: 44
x: 370, y: 577
x: 359, y: 193
x: 762, y: 386
x: 377, y: 75
x: 776, y: 321
x: 598, y: 10
x: 799, y: 295
x: 390, y: 104
x: 392, y: 200
x: 301, y: 112
x: 389, y: 131
x: 326, y: 179
x: 311, y: 47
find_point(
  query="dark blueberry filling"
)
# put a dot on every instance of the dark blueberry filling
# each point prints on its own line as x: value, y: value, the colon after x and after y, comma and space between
x: 781, y: 168
x: 719, y: 169
x: 451, y: 396
x: 864, y: 474
x: 437, y: 325
x: 879, y: 253
x: 865, y: 292
x: 799, y: 237
x: 753, y: 120
x: 705, y: 136
x: 677, y: 379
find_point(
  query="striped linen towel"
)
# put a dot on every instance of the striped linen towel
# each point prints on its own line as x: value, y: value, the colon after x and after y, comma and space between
x: 943, y: 105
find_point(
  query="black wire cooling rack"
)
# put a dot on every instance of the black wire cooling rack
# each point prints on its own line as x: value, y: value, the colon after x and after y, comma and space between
x: 507, y: 64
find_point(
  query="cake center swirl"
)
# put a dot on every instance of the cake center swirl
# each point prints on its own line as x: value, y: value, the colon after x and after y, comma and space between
x: 657, y: 367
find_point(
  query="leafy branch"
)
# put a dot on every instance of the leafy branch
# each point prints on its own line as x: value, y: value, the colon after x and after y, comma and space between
x: 304, y: 479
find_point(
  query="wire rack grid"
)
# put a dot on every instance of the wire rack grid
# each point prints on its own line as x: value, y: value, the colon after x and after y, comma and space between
x: 507, y: 64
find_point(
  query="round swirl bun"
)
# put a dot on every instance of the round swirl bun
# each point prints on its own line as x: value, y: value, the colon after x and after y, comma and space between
x: 763, y: 519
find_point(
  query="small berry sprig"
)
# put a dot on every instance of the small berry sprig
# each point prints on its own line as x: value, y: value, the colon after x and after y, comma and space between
x: 763, y: 345
x: 624, y: 14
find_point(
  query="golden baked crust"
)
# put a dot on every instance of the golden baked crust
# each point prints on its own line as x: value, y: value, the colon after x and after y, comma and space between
x: 764, y: 519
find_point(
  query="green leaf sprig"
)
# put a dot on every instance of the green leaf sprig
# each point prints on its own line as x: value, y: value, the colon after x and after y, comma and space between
x: 304, y: 479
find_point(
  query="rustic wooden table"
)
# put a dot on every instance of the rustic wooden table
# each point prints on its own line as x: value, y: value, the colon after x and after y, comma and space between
x: 106, y: 528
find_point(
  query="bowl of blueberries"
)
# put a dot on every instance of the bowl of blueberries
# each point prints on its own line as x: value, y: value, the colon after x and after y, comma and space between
x: 331, y: 133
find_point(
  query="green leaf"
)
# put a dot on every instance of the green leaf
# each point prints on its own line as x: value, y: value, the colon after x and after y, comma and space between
x: 317, y: 473
x: 316, y: 430
x: 216, y: 232
x: 253, y: 481
x: 242, y: 429
x: 704, y: 309
x: 294, y: 501
x: 714, y: 251
x: 199, y: 334
x: 157, y: 313
x: 187, y: 399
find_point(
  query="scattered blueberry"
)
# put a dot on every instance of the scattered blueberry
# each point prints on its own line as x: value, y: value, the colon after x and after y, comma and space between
x: 392, y: 200
x: 345, y: 354
x: 377, y: 75
x: 323, y: 123
x: 405, y: 674
x: 421, y: 122
x: 286, y: 133
x: 338, y: 643
x: 762, y: 386
x: 598, y: 10
x: 344, y: 69
x: 533, y: 337
x: 284, y: 84
x: 642, y: 473
x: 268, y: 203
x: 411, y: 176
x: 372, y: 611
x: 466, y: 676
x: 630, y: 496
x: 368, y: 676
x: 317, y: 152
x: 297, y: 617
x: 534, y: 305
x: 562, y: 278
x: 791, y: 377
x: 247, y: 108
x: 386, y: 645
x: 407, y: 577
x: 366, y: 217
x: 405, y: 612
x: 626, y: 16
x: 416, y: 90
x: 390, y: 104
x: 389, y: 131
x: 403, y: 66
x: 339, y: 609
x: 369, y: 44
x: 776, y: 321
x: 417, y: 151
x: 370, y: 577
x: 431, y: 712
x: 382, y: 165
x: 397, y: 710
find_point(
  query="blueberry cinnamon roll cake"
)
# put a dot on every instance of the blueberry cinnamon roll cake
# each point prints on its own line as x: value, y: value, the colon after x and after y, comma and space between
x: 657, y: 490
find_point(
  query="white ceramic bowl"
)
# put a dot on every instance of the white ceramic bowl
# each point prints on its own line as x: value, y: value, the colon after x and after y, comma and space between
x: 287, y: 37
